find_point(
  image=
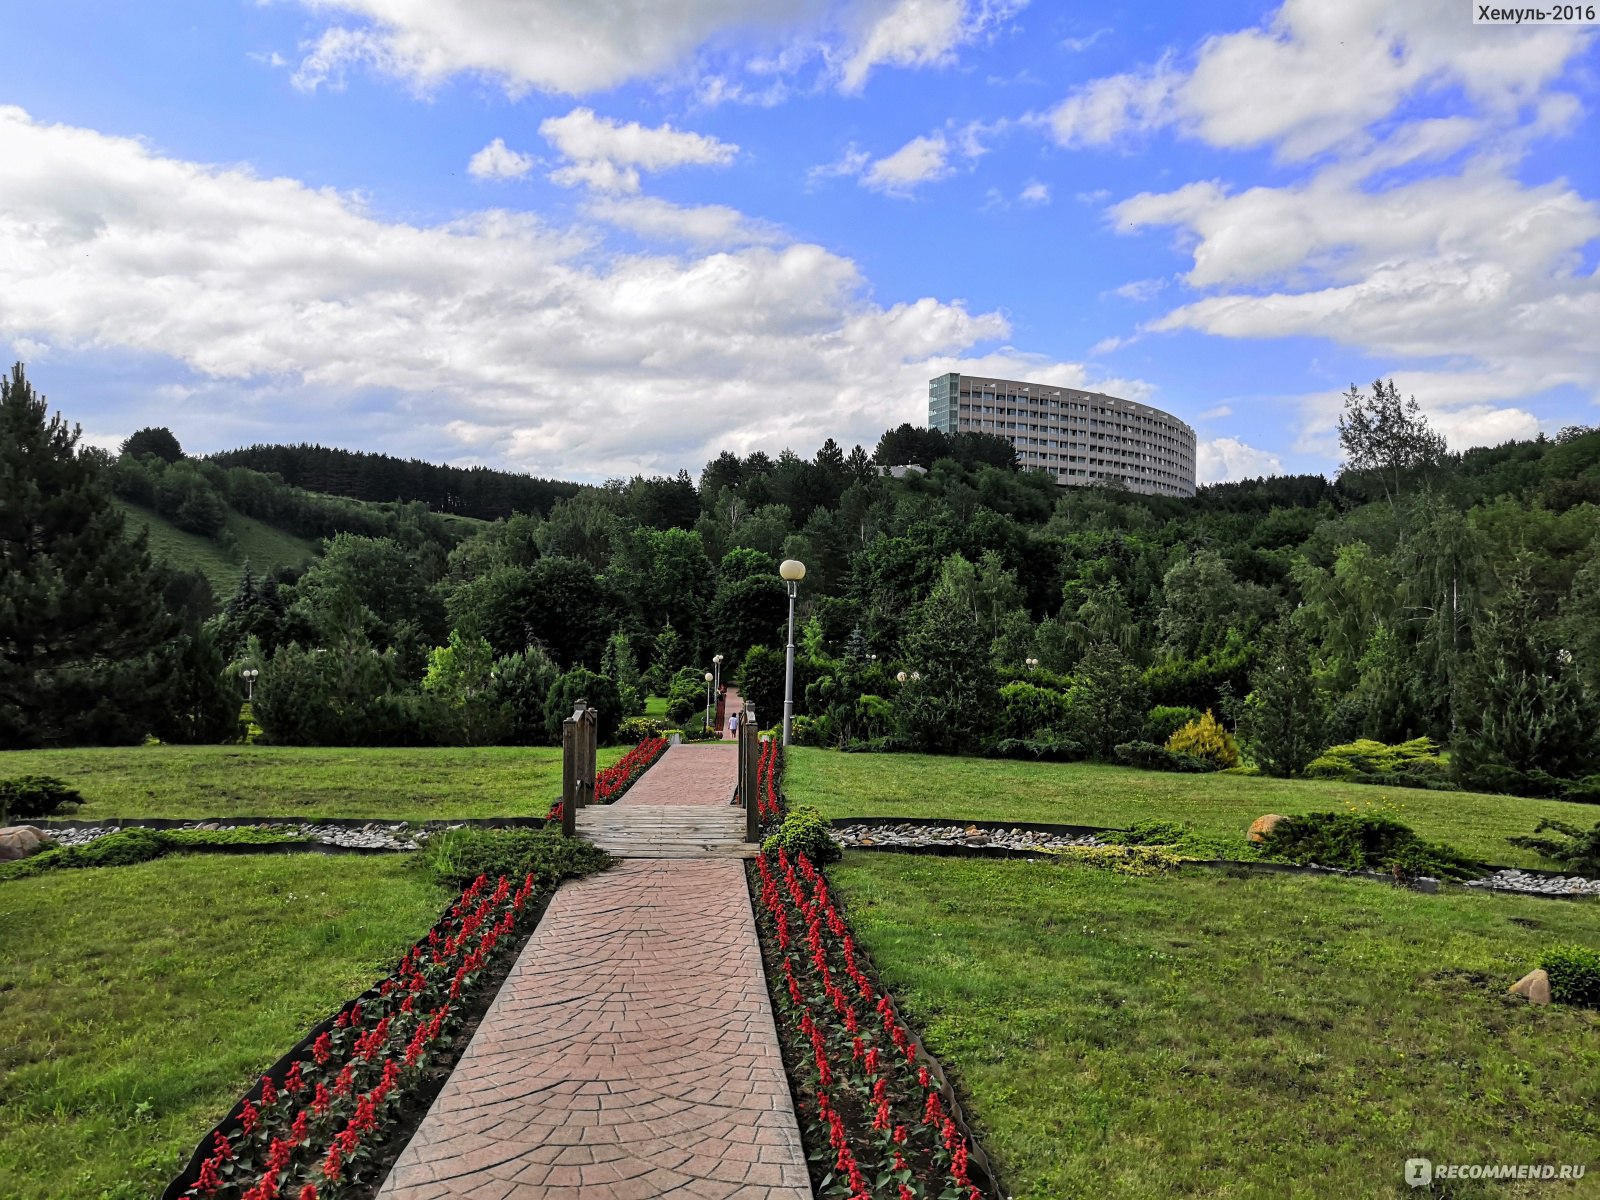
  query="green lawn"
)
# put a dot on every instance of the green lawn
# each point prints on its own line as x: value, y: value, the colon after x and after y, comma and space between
x: 299, y: 781
x: 1196, y: 1034
x: 656, y: 706
x: 139, y: 1002
x: 265, y: 546
x: 907, y: 785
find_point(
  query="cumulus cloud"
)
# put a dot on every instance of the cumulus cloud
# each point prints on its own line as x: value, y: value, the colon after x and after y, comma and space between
x: 1034, y: 192
x: 561, y: 47
x: 1224, y: 460
x: 607, y: 155
x: 491, y: 338
x: 919, y: 161
x: 1332, y: 73
x: 700, y: 225
x: 496, y: 161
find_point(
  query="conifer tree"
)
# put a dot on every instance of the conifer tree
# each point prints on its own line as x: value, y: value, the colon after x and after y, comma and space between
x: 80, y: 602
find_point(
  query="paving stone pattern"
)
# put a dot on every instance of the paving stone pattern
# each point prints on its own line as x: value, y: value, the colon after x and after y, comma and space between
x: 631, y: 1053
x: 688, y: 773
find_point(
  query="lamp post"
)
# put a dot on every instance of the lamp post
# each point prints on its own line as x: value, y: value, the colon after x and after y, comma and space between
x: 1032, y: 663
x: 716, y: 668
x: 249, y: 676
x: 793, y: 571
x: 708, y: 701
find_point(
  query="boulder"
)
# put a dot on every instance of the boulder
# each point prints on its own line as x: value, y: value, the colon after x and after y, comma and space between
x: 1261, y: 826
x: 19, y: 841
x: 1535, y: 985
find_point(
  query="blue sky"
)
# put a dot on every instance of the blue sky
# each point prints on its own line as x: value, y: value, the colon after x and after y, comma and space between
x: 592, y: 239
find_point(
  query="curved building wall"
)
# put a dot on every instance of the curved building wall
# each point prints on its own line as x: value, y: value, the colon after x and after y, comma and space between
x: 1082, y: 438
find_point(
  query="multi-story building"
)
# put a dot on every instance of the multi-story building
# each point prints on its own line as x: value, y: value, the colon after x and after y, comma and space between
x: 1082, y: 438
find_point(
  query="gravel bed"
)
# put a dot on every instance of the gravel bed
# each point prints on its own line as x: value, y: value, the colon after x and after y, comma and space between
x: 373, y: 836
x: 1545, y: 885
x: 849, y: 836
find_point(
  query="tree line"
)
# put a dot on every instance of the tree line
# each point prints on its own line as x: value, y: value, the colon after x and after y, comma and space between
x: 979, y: 608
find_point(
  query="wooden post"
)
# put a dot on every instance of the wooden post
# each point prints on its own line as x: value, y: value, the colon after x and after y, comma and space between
x: 569, y: 775
x: 749, y: 778
x: 591, y: 751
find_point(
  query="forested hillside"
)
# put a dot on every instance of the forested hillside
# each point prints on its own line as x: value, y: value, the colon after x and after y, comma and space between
x: 469, y: 491
x: 973, y: 608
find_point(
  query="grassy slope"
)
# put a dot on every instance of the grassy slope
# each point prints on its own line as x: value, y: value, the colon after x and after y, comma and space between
x: 1200, y: 1035
x: 138, y: 1002
x: 265, y: 547
x: 228, y: 781
x: 903, y: 785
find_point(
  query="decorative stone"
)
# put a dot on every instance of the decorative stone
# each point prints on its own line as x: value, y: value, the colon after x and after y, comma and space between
x: 1535, y: 985
x: 1261, y: 826
x: 19, y: 841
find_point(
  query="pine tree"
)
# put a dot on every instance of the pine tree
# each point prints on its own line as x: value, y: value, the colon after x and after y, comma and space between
x: 1523, y: 707
x: 80, y: 602
x: 1286, y: 720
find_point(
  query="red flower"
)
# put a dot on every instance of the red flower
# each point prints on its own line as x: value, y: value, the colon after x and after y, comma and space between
x: 249, y: 1117
x: 320, y: 1099
x: 221, y: 1148
x: 210, y: 1180
x: 322, y: 1048
x: 269, y: 1094
x: 309, y: 1192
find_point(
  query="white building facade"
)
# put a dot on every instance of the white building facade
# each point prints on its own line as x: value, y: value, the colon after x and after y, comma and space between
x: 1082, y: 438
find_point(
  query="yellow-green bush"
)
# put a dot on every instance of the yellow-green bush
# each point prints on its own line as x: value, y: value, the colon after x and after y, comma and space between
x: 1205, y: 737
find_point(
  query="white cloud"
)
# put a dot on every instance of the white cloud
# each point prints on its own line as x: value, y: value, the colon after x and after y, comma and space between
x: 492, y: 337
x: 1224, y: 460
x: 1216, y: 413
x: 851, y: 163
x: 1034, y: 192
x: 921, y: 160
x: 1140, y: 290
x: 496, y: 161
x: 919, y: 33
x: 267, y: 59
x: 1331, y: 71
x: 699, y: 225
x: 607, y: 156
x: 562, y: 47
x: 1109, y: 344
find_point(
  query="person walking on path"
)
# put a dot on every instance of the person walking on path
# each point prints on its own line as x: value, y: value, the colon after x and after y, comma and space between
x: 733, y: 726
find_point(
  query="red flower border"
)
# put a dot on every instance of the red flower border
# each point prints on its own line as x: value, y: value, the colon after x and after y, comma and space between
x: 879, y: 1119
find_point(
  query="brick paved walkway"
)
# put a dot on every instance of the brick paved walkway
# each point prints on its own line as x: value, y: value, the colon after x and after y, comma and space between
x: 688, y: 773
x: 631, y: 1053
x: 733, y: 704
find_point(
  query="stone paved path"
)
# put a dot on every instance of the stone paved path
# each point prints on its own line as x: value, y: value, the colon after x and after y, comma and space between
x: 733, y: 704
x: 688, y: 773
x: 631, y: 1053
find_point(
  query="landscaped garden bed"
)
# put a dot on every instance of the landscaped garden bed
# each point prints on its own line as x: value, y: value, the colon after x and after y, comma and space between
x: 876, y: 1114
x: 611, y: 783
x: 323, y: 1121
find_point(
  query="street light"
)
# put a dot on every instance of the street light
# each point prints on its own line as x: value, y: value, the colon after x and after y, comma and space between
x: 716, y: 667
x: 901, y: 677
x: 793, y: 571
x: 1032, y: 663
x: 708, y: 701
x: 249, y: 674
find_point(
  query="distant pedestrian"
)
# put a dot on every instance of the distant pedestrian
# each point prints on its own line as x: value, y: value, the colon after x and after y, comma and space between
x: 733, y: 726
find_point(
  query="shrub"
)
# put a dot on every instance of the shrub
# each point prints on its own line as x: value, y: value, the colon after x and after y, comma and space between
x: 1205, y: 737
x: 582, y: 684
x: 804, y: 831
x: 808, y: 731
x: 1575, y: 850
x: 1151, y: 757
x: 1365, y: 841
x: 136, y: 845
x: 36, y: 796
x: 458, y: 857
x: 1180, y: 839
x: 1046, y: 745
x: 636, y: 729
x: 1164, y: 720
x: 1363, y: 758
x: 1583, y: 791
x: 1574, y: 975
x: 1030, y: 710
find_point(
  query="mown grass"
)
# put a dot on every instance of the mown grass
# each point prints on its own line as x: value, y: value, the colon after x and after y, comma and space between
x: 1199, y: 1034
x: 138, y: 1002
x: 304, y: 781
x: 265, y: 547
x: 917, y: 785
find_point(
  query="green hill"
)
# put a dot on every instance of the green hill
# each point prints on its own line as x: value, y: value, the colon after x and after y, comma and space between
x: 264, y: 546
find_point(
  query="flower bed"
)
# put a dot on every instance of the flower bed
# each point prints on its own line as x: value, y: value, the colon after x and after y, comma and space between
x: 314, y: 1127
x: 769, y: 767
x: 876, y: 1114
x: 611, y: 783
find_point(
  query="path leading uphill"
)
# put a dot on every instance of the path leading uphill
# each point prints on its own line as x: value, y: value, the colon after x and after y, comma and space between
x: 631, y: 1053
